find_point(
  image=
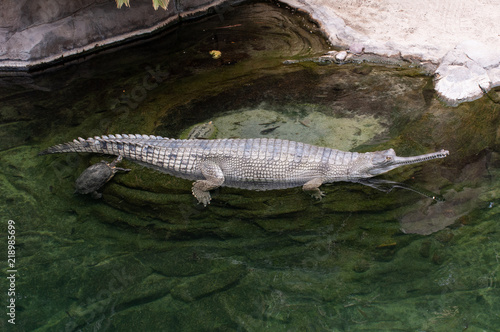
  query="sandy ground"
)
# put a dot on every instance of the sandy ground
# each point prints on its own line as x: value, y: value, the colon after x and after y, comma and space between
x: 461, y: 36
x: 424, y: 28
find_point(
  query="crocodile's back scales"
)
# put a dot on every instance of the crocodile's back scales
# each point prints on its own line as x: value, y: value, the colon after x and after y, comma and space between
x: 258, y: 163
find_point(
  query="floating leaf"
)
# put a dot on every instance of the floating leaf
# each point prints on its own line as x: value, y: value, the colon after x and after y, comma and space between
x: 215, y: 54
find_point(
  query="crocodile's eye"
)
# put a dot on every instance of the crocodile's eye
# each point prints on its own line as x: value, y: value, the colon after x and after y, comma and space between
x: 388, y: 158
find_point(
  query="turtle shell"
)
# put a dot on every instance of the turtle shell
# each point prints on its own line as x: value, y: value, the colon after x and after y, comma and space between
x: 93, y: 178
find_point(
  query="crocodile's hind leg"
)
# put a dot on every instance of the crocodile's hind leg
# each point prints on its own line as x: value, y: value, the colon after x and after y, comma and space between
x: 312, y: 187
x: 214, y: 179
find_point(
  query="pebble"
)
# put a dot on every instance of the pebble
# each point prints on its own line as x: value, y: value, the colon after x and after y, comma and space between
x: 341, y: 56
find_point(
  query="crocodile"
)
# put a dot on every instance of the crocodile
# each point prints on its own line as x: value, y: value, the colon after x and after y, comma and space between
x: 255, y: 163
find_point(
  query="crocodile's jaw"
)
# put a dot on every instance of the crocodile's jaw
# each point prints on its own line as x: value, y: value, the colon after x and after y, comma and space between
x: 384, y: 161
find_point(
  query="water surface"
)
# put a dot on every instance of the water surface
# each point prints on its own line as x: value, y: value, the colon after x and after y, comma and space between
x: 147, y: 257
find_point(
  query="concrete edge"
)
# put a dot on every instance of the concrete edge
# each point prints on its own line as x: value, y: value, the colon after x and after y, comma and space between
x: 29, y: 65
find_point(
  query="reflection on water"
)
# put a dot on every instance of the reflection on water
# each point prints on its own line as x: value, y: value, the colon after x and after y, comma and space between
x: 146, y: 255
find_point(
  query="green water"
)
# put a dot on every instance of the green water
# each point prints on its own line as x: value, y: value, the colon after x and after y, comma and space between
x: 147, y: 257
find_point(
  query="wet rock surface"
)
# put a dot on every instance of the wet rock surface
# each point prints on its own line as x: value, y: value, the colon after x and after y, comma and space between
x: 425, y: 34
x: 146, y: 256
x: 46, y: 32
x: 440, y: 33
x: 43, y: 31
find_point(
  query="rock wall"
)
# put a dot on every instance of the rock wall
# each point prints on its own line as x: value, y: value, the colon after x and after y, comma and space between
x: 42, y: 31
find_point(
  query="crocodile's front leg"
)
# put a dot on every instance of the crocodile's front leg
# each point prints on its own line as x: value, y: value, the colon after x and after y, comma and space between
x: 214, y: 179
x: 312, y: 187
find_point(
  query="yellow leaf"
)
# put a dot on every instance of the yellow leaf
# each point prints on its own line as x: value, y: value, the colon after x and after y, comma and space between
x: 215, y: 54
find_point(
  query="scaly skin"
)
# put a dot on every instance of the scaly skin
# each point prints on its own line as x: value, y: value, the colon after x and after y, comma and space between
x: 258, y: 164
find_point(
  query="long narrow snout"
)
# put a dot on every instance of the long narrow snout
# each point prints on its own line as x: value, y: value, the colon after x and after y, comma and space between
x: 399, y: 161
x: 384, y: 161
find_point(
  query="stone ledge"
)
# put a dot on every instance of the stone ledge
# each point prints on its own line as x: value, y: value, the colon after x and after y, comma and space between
x: 459, y: 37
x: 65, y: 32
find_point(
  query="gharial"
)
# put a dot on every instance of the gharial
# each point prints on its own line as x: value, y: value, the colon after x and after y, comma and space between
x: 255, y: 163
x: 95, y: 176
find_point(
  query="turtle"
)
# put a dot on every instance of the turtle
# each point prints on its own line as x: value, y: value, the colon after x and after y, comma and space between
x: 96, y: 176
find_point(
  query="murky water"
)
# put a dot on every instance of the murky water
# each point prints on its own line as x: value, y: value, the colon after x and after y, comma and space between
x: 146, y: 257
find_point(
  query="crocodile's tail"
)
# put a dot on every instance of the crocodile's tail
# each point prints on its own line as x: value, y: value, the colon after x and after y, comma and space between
x: 110, y: 144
